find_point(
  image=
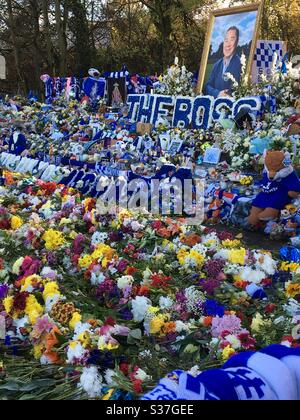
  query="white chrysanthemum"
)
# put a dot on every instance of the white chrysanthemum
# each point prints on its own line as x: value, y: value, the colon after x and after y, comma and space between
x: 201, y: 249
x: 109, y: 375
x: 181, y: 327
x: 142, y: 375
x: 99, y: 238
x: 97, y: 278
x: 140, y: 306
x: 165, y: 302
x: 234, y: 341
x: 252, y: 276
x: 91, y: 382
x: 75, y: 353
x: 80, y: 328
x: 223, y: 254
x: 51, y: 301
x: 125, y: 281
x: 265, y: 262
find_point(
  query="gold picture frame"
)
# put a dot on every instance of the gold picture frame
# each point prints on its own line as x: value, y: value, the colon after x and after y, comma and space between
x: 256, y: 7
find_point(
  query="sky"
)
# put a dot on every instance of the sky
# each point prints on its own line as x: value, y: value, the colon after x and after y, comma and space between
x: 244, y: 21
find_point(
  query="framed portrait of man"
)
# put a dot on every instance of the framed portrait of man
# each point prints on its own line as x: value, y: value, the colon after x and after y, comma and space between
x: 232, y: 32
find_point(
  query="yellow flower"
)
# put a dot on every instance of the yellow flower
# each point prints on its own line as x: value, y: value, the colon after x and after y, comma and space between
x: 257, y: 323
x: 50, y: 289
x: 28, y: 283
x: 16, y: 222
x: 53, y: 239
x: 182, y: 254
x: 156, y: 324
x: 37, y: 351
x: 8, y: 304
x: 74, y: 321
x: 153, y: 310
x: 227, y: 352
x: 17, y: 265
x: 290, y: 266
x: 33, y: 309
x: 237, y: 256
x: 85, y: 339
x: 231, y: 244
x: 85, y: 261
x: 199, y: 259
x: 108, y: 395
x: 292, y: 290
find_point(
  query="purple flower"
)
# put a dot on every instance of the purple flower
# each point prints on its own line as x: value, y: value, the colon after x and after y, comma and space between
x: 3, y: 290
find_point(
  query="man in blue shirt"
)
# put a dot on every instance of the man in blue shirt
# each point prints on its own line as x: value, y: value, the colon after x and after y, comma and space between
x: 219, y: 85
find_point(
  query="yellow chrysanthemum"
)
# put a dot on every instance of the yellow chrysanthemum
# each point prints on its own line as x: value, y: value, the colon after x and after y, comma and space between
x: 29, y: 282
x: 238, y: 256
x: 74, y: 321
x: 50, y: 289
x: 290, y: 266
x: 8, y: 304
x: 16, y: 222
x: 292, y: 290
x: 85, y: 261
x: 227, y: 352
x: 231, y: 244
x: 53, y: 239
x: 37, y: 351
x: 33, y: 309
x: 156, y: 324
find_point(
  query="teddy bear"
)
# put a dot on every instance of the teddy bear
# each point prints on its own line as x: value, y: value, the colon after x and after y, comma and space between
x: 280, y: 185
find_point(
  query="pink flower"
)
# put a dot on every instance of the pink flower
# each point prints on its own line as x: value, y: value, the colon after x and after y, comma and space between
x: 229, y: 323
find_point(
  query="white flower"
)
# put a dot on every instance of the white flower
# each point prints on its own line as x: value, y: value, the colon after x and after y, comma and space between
x: 140, y: 306
x: 75, y: 353
x: 99, y: 238
x: 80, y: 328
x: 125, y: 281
x: 91, y: 382
x: 252, y: 276
x: 266, y: 263
x: 165, y: 302
x: 181, y: 326
x: 234, y: 341
x: 97, y: 278
x: 51, y: 301
x: 142, y: 375
x: 109, y: 375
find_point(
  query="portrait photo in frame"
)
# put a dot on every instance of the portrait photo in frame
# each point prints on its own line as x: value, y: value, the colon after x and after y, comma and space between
x: 231, y: 33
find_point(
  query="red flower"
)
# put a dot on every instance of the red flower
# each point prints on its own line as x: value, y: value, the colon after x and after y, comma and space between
x: 20, y: 301
x: 160, y: 281
x: 110, y: 321
x: 270, y: 308
x: 124, y: 368
x: 137, y: 386
x: 157, y: 224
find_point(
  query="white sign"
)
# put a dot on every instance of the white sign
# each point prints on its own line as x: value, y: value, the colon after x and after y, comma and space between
x: 264, y: 56
x: 2, y: 67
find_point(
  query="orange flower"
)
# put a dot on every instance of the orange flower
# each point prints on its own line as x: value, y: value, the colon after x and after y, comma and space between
x: 169, y: 327
x: 130, y: 271
x: 191, y: 240
x: 164, y: 233
x: 51, y: 339
x: 207, y: 321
